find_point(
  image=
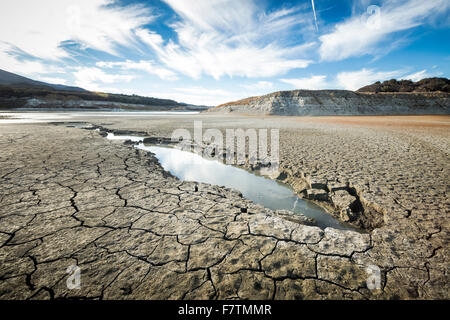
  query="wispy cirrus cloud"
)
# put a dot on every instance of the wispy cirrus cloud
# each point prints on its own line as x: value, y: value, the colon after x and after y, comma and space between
x: 260, y: 85
x: 315, y: 82
x: 353, y: 80
x: 34, y: 35
x: 232, y: 39
x: 248, y: 47
x: 93, y: 78
x: 315, y: 16
x: 40, y: 28
x: 199, y: 95
x: 13, y: 61
x: 363, y: 33
x: 52, y: 80
x: 419, y: 75
x: 143, y: 65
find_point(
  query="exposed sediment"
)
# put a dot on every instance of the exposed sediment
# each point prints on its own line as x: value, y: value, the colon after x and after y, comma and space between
x: 70, y: 197
x: 339, y: 102
x: 340, y: 200
x: 397, y: 167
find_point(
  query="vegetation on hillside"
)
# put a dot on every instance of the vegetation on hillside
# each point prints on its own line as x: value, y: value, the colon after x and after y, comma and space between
x: 8, y: 92
x: 424, y: 85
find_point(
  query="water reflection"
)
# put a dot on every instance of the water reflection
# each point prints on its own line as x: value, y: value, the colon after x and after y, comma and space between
x: 269, y: 193
x: 41, y: 115
x: 112, y: 136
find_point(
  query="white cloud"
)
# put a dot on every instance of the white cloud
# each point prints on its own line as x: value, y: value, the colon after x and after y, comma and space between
x: 353, y: 80
x: 421, y: 75
x: 53, y: 80
x: 203, y: 91
x: 92, y: 78
x: 362, y: 34
x: 39, y: 28
x: 312, y: 83
x: 200, y: 95
x: 418, y: 75
x: 232, y: 39
x: 257, y: 86
x: 196, y: 95
x: 143, y: 65
x: 25, y: 67
x: 224, y: 37
x: 211, y: 15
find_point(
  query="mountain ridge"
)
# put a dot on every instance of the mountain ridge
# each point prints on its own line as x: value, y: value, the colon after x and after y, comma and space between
x: 12, y: 79
x: 20, y: 92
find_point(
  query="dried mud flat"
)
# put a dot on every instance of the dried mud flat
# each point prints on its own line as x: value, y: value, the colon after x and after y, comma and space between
x: 70, y: 197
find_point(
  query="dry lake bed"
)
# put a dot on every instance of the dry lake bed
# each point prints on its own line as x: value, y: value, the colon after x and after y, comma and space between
x: 82, y: 216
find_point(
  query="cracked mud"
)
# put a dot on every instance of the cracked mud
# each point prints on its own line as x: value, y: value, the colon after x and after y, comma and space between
x: 70, y: 197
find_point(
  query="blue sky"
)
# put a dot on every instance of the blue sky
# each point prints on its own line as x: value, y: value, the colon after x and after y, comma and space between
x: 214, y: 51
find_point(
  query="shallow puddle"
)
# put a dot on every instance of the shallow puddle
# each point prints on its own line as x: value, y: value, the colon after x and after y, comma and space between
x: 111, y: 136
x: 269, y: 193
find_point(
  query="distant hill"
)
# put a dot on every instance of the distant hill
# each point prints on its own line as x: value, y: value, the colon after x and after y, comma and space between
x: 404, y: 97
x: 424, y: 85
x: 21, y: 92
x: 12, y: 79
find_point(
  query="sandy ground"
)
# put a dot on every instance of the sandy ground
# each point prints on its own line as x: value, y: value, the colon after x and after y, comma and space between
x: 65, y: 183
x: 434, y: 121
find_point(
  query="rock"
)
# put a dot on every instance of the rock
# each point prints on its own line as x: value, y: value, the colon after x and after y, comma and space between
x: 341, y: 199
x: 334, y: 186
x: 129, y: 142
x: 316, y: 194
x: 158, y: 140
x: 343, y: 203
x: 128, y: 132
x: 347, y: 215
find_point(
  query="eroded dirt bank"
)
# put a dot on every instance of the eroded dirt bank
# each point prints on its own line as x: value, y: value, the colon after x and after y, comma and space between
x: 339, y: 102
x: 70, y: 197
